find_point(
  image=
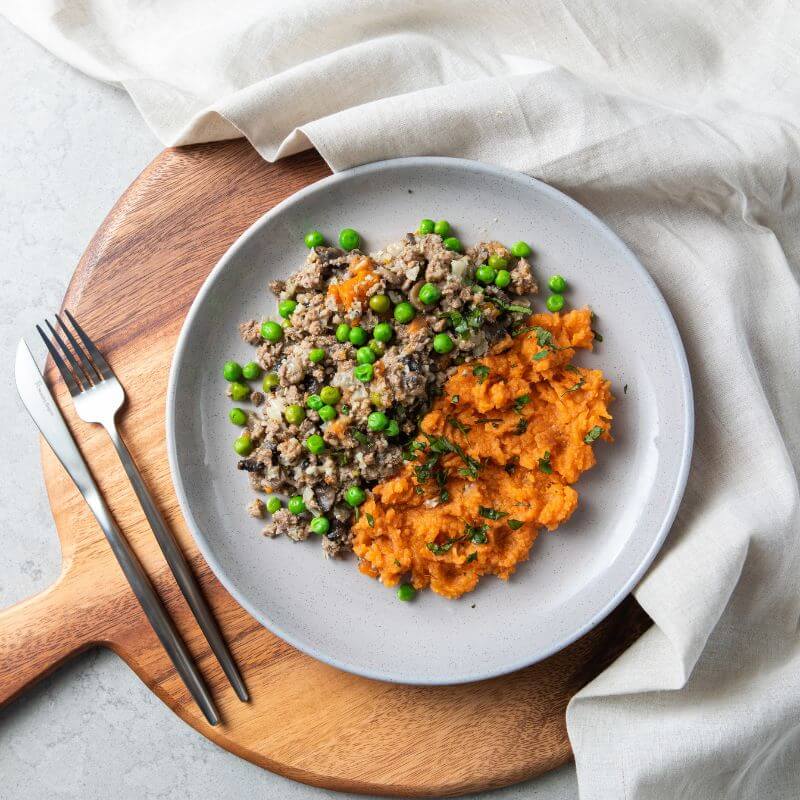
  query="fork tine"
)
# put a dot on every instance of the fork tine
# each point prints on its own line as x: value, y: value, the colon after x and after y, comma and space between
x: 73, y: 387
x: 97, y: 357
x: 88, y: 366
x: 80, y: 376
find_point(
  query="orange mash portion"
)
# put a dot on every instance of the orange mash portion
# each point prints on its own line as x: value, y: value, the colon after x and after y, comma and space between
x: 493, y: 465
x: 362, y: 278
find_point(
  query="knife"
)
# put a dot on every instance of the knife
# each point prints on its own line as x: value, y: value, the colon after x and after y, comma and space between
x: 42, y: 407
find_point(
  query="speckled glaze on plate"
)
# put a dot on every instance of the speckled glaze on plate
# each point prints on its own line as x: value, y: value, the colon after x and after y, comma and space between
x: 576, y: 575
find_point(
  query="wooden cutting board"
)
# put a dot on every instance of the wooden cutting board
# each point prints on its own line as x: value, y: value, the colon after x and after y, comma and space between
x: 306, y: 721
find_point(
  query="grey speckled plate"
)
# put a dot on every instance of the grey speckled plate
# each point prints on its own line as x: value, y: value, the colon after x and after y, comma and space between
x: 576, y: 575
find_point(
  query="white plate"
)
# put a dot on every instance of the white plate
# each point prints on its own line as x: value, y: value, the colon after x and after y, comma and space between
x: 576, y: 575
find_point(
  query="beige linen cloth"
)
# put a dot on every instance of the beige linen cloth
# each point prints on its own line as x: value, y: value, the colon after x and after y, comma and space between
x: 677, y: 124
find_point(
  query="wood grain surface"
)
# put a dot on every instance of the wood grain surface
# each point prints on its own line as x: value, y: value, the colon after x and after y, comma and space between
x: 306, y: 721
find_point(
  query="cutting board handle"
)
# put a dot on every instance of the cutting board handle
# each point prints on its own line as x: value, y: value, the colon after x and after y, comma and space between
x: 39, y: 634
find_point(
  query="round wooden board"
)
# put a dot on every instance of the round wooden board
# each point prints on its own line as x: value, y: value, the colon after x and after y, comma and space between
x: 306, y: 721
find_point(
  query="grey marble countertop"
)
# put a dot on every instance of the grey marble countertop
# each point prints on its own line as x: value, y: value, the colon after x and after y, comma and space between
x: 70, y: 147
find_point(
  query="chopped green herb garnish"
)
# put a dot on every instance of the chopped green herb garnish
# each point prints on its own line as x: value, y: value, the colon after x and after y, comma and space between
x: 544, y: 463
x: 540, y: 355
x: 408, y: 453
x: 521, y: 402
x: 520, y: 329
x: 597, y: 336
x: 465, y: 429
x: 356, y: 514
x: 515, y: 524
x: 419, y: 490
x: 481, y: 372
x: 454, y: 399
x: 458, y: 323
x: 489, y: 420
x: 441, y: 549
x: 346, y: 411
x: 511, y: 308
x: 511, y: 466
x: 491, y: 513
x: 476, y: 533
x: 593, y: 435
x: 522, y: 426
x: 574, y: 387
x: 362, y: 438
x: 397, y: 563
x: 544, y: 337
x: 370, y: 520
x: 571, y: 368
x: 441, y: 444
x: 471, y: 557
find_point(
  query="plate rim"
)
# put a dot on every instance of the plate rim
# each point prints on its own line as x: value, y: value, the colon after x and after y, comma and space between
x: 677, y: 348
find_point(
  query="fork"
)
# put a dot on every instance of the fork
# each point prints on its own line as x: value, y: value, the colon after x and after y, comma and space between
x: 98, y: 395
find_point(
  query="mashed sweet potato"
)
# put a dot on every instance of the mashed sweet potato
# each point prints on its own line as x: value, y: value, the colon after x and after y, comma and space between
x: 494, y: 463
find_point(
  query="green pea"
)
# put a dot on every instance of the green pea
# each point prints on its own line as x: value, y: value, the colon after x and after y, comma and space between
x: 274, y: 504
x: 238, y: 416
x: 555, y: 302
x: 379, y: 348
x: 316, y: 354
x: 426, y: 226
x: 375, y: 399
x: 330, y: 395
x: 358, y: 336
x: 502, y: 279
x: 392, y: 429
x: 343, y: 332
x: 251, y: 371
x: 232, y: 371
x: 380, y: 303
x: 404, y: 312
x: 453, y: 243
x: 239, y: 392
x: 315, y: 443
x: 320, y: 525
x: 364, y: 355
x: 315, y: 402
x: 406, y: 592
x: 243, y: 446
x: 485, y: 274
x: 296, y: 504
x: 327, y: 413
x: 271, y: 331
x: 558, y: 284
x: 377, y: 421
x: 442, y: 227
x: 363, y: 372
x: 442, y: 343
x: 314, y: 239
x: 294, y: 414
x: 286, y: 308
x: 498, y: 262
x: 349, y: 239
x: 429, y: 294
x: 521, y: 249
x: 355, y: 495
x: 271, y: 380
x: 383, y: 332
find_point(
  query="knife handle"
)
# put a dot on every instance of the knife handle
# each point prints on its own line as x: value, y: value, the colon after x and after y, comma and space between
x: 151, y: 604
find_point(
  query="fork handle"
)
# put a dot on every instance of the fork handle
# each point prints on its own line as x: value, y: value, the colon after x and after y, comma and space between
x: 180, y: 568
